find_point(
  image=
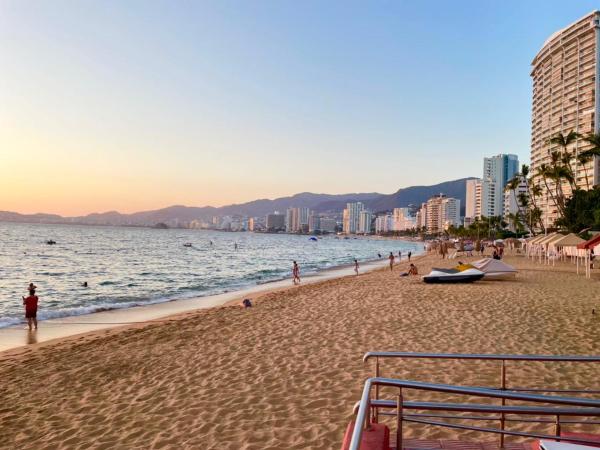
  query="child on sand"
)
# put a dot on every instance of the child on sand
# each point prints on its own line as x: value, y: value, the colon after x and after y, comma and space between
x: 31, y: 305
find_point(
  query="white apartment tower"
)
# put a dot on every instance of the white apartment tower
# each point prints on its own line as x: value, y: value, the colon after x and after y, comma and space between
x: 566, y: 97
x: 441, y: 213
x: 364, y: 222
x: 473, y: 200
x: 512, y: 199
x: 497, y: 172
x: 351, y: 217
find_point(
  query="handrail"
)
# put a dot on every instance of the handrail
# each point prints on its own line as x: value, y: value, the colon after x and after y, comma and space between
x: 502, y: 358
x: 365, y: 402
x: 482, y: 356
x: 484, y: 408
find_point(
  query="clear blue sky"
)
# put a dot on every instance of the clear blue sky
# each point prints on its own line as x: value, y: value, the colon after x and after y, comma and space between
x: 139, y: 104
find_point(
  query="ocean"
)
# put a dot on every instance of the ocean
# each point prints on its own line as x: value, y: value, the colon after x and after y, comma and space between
x: 126, y: 267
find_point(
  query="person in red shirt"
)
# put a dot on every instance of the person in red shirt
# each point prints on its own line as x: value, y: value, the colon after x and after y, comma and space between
x: 31, y: 305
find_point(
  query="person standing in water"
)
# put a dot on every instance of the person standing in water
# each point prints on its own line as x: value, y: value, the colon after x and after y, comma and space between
x: 391, y: 258
x: 409, y: 255
x: 356, y: 266
x: 31, y: 305
x: 400, y: 255
x: 296, y: 273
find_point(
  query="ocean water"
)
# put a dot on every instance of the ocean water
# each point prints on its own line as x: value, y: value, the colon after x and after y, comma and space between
x: 127, y: 267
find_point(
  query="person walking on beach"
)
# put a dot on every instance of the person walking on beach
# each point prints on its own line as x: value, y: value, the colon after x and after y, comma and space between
x: 400, y: 255
x: 391, y: 258
x: 31, y: 305
x: 409, y: 255
x: 296, y: 273
x: 356, y: 267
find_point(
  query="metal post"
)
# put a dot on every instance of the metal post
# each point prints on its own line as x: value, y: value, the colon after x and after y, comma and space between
x: 376, y: 412
x: 399, y: 413
x: 502, y: 387
x: 557, y: 427
x: 368, y: 415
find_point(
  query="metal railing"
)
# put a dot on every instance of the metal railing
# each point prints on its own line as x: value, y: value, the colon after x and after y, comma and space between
x: 502, y: 358
x: 587, y: 408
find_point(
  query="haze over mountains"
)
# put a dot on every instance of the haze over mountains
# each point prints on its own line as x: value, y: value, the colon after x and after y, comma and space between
x: 323, y: 203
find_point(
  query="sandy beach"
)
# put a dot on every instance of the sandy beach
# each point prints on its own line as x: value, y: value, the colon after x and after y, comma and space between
x: 286, y: 373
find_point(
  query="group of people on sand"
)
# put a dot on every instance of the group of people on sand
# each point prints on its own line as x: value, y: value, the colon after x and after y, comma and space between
x: 392, y: 258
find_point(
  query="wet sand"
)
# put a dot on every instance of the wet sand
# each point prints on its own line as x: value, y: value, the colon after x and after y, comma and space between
x: 286, y: 373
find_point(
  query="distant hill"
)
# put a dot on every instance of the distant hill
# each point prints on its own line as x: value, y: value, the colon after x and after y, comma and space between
x: 318, y: 202
x: 418, y: 194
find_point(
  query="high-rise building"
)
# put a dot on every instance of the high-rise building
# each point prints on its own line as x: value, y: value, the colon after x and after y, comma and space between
x: 403, y: 219
x: 512, y: 199
x: 296, y: 220
x: 566, y: 97
x: 497, y: 171
x: 364, y: 222
x: 441, y: 213
x: 314, y: 223
x: 472, y: 200
x: 384, y: 223
x: 328, y: 225
x: 422, y: 216
x: 275, y: 222
x: 351, y: 217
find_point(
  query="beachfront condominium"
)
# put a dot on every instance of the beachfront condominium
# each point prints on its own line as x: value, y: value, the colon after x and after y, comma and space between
x: 365, y: 218
x: 441, y: 213
x: 327, y: 225
x: 403, y: 219
x: 351, y: 217
x: 513, y: 199
x: 497, y: 172
x: 472, y: 200
x: 296, y: 220
x: 384, y: 223
x: 566, y: 97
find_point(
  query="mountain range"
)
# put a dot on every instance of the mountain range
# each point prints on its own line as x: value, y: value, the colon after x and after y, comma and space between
x: 323, y: 203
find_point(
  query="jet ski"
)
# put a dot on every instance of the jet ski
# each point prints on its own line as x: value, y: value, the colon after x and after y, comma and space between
x: 453, y: 276
x: 187, y: 244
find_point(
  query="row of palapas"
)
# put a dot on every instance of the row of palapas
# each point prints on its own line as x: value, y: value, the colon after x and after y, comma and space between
x: 547, y: 249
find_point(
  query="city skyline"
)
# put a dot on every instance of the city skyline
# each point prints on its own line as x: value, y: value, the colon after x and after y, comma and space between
x: 215, y: 104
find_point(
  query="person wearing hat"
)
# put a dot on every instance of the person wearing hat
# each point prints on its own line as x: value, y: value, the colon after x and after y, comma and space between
x: 31, y: 305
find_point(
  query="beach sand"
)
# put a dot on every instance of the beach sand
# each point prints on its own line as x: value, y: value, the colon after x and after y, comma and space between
x: 286, y: 373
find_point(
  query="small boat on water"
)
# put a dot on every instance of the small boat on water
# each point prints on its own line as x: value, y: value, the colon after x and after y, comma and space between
x: 50, y: 242
x: 453, y: 276
x: 188, y: 244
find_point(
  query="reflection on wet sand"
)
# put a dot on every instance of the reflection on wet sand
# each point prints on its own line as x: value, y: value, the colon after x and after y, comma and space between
x: 32, y: 337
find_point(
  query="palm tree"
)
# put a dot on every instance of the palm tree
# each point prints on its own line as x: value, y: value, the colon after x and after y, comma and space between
x: 563, y: 141
x: 583, y: 159
x: 512, y: 186
x: 545, y: 173
x: 594, y: 152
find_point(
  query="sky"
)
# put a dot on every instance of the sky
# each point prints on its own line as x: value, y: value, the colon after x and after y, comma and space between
x: 137, y: 105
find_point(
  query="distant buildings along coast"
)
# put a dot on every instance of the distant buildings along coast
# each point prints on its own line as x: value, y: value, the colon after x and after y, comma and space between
x: 486, y: 196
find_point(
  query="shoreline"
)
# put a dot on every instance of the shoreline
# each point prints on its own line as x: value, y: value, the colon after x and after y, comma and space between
x: 17, y: 336
x: 286, y: 372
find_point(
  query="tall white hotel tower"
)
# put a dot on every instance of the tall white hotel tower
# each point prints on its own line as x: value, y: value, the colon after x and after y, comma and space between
x: 566, y: 96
